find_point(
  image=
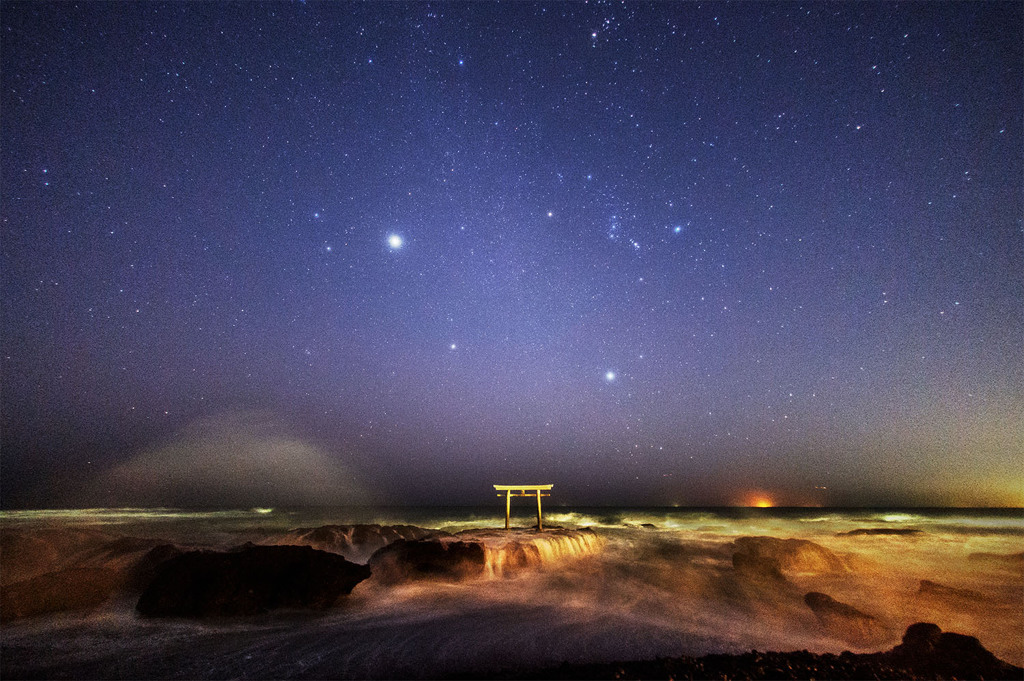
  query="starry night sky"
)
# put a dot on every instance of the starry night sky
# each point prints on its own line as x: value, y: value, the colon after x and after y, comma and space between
x: 667, y: 253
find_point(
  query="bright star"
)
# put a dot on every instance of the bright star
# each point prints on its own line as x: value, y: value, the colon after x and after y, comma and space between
x: 395, y: 241
x: 452, y: 346
x: 609, y: 376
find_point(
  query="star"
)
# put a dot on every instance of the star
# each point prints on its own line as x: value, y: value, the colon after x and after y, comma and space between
x: 395, y: 241
x: 609, y: 376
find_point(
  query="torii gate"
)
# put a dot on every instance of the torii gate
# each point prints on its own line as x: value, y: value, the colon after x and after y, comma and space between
x: 523, y: 491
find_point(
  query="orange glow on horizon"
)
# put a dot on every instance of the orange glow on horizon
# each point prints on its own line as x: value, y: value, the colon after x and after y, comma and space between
x: 757, y: 499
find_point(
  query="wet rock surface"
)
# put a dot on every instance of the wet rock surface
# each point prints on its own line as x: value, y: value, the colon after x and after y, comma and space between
x: 249, y: 581
x: 926, y: 653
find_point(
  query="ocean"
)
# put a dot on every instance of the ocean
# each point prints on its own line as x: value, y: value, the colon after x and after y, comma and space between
x: 646, y: 582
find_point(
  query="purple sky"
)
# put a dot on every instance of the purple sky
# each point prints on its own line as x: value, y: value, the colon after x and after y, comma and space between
x: 652, y: 253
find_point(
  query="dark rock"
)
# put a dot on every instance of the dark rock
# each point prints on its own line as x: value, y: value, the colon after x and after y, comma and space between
x: 920, y: 638
x: 884, y: 531
x: 248, y: 582
x: 424, y: 559
x: 844, y: 620
x: 934, y: 589
x: 928, y: 650
x: 793, y: 555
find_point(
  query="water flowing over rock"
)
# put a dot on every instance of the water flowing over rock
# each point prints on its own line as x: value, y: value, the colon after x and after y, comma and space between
x: 249, y: 581
x: 480, y: 554
x: 793, y: 555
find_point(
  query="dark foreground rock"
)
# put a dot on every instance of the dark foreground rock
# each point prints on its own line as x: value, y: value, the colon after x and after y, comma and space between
x: 926, y: 653
x: 423, y: 559
x: 250, y: 581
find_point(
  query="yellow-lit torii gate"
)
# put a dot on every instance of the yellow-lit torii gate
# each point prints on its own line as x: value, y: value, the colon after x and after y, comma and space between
x: 523, y: 491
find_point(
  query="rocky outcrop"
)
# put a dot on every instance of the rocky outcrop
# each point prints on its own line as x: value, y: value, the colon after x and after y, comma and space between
x: 845, y: 621
x: 250, y: 581
x: 423, y: 559
x: 792, y: 555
